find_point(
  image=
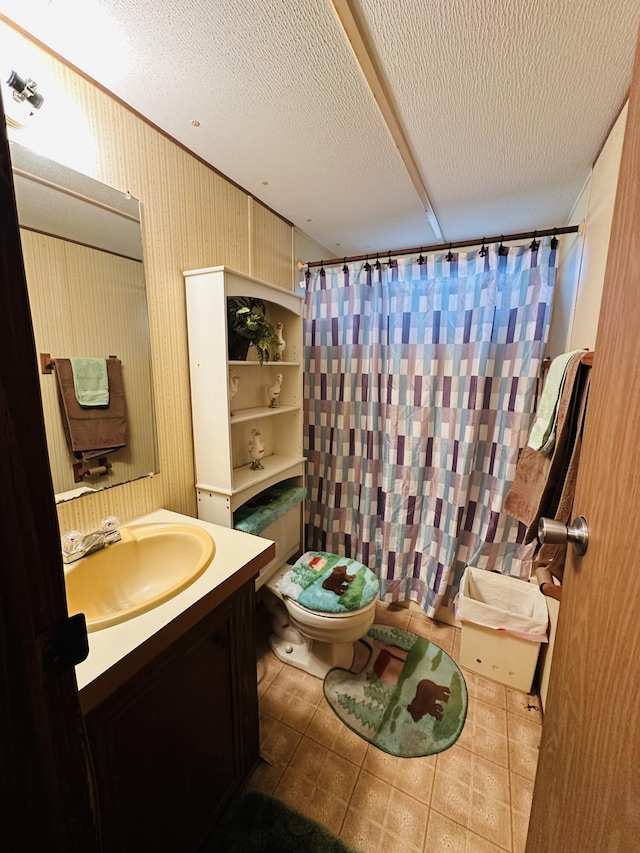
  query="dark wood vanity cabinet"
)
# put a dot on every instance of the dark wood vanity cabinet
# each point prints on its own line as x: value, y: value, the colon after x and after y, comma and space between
x: 174, y: 743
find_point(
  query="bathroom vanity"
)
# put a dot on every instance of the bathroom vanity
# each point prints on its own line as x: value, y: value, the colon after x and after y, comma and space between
x: 170, y: 702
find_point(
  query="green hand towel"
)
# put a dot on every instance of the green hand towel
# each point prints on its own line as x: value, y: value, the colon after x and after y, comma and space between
x: 542, y: 436
x: 90, y: 381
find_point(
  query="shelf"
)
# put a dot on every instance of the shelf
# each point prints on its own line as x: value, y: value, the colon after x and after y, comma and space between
x: 246, y: 477
x: 244, y: 415
x: 266, y: 364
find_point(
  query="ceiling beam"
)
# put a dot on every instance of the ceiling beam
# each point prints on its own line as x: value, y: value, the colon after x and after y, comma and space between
x: 355, y: 34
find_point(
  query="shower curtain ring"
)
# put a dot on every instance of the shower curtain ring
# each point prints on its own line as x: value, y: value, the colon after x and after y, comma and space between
x: 345, y: 268
x: 322, y: 272
x: 367, y: 266
x: 534, y: 243
x: 307, y: 274
x: 502, y: 249
x: 449, y: 256
x: 420, y: 258
x: 376, y: 266
x: 483, y: 250
x: 554, y: 242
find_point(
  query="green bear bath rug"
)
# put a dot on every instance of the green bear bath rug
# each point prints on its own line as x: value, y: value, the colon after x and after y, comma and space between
x: 410, y: 699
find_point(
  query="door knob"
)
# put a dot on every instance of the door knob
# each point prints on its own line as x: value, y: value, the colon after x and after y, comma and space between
x: 552, y: 532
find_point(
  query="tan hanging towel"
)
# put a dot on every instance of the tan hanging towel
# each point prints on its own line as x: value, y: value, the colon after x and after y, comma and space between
x: 540, y: 479
x: 92, y: 432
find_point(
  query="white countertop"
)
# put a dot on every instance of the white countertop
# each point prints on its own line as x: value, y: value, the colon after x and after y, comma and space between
x: 234, y: 550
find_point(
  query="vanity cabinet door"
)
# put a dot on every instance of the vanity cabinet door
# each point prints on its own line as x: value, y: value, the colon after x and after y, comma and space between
x: 172, y: 746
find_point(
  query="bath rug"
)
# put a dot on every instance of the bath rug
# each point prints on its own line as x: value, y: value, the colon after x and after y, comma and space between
x: 329, y: 583
x: 409, y: 700
x: 257, y: 823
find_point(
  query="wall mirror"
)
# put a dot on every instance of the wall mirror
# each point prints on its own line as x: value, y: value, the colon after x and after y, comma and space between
x: 82, y: 248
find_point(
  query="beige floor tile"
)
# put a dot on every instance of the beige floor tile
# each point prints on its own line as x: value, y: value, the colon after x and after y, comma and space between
x: 488, y: 716
x: 486, y: 690
x: 491, y: 819
x: 523, y: 760
x: 329, y: 731
x: 371, y: 795
x: 420, y: 624
x: 392, y: 614
x: 292, y: 697
x: 525, y: 704
x: 368, y: 835
x: 268, y: 667
x: 277, y: 745
x: 443, y: 635
x: 412, y: 776
x: 296, y: 713
x: 439, y: 633
x: 325, y: 769
x: 524, y: 745
x: 455, y: 654
x: 520, y: 825
x: 299, y: 683
x: 452, y: 798
x: 477, y: 844
x: 472, y: 798
x: 477, y: 773
x: 391, y: 817
x: 491, y: 779
x: 362, y: 831
x: 521, y: 794
x: 445, y: 835
x: 523, y: 731
x: 488, y: 744
x: 406, y: 819
x: 278, y: 742
x: 301, y: 793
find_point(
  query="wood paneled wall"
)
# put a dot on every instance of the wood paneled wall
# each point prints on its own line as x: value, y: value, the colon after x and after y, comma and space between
x: 192, y: 217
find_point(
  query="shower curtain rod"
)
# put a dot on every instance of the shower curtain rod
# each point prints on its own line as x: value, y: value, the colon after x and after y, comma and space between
x: 523, y: 235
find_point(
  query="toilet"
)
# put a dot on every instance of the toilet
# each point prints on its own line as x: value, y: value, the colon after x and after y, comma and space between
x: 321, y: 606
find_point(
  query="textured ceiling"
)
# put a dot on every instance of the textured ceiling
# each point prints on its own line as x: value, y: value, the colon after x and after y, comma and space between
x: 504, y: 103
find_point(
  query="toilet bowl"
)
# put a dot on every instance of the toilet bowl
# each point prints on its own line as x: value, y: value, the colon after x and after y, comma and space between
x: 312, y: 640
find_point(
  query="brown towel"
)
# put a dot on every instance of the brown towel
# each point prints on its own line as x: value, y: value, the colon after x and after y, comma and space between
x: 540, y: 479
x: 92, y: 432
x: 552, y: 556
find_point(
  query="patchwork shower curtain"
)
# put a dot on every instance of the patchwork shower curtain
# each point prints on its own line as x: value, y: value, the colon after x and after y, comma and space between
x: 420, y: 387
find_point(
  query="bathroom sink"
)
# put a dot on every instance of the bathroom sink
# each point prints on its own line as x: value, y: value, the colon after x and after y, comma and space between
x: 151, y: 564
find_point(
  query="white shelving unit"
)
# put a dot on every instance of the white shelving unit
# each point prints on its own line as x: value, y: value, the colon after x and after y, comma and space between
x: 222, y: 432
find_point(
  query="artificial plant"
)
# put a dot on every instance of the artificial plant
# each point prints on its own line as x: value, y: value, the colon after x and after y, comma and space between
x: 246, y: 320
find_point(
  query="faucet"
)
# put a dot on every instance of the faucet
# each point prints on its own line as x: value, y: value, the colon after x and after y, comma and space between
x: 75, y: 545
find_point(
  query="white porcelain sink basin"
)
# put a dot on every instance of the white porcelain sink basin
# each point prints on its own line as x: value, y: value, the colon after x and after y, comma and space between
x: 151, y: 564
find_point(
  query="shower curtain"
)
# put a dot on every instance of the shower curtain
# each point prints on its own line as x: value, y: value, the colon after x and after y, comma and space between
x: 420, y: 387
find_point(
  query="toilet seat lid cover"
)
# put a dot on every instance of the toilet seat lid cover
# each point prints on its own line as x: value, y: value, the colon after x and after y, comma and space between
x: 329, y: 583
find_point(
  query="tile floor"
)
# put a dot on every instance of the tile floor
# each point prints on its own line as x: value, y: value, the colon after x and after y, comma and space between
x: 473, y: 798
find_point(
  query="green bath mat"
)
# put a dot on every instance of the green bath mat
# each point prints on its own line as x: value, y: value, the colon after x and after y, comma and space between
x: 409, y: 700
x: 257, y: 823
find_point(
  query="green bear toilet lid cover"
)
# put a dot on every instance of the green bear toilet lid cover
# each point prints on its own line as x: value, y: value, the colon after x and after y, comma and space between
x: 329, y: 583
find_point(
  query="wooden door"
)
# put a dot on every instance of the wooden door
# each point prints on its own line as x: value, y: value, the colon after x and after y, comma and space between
x: 587, y: 791
x: 45, y: 781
